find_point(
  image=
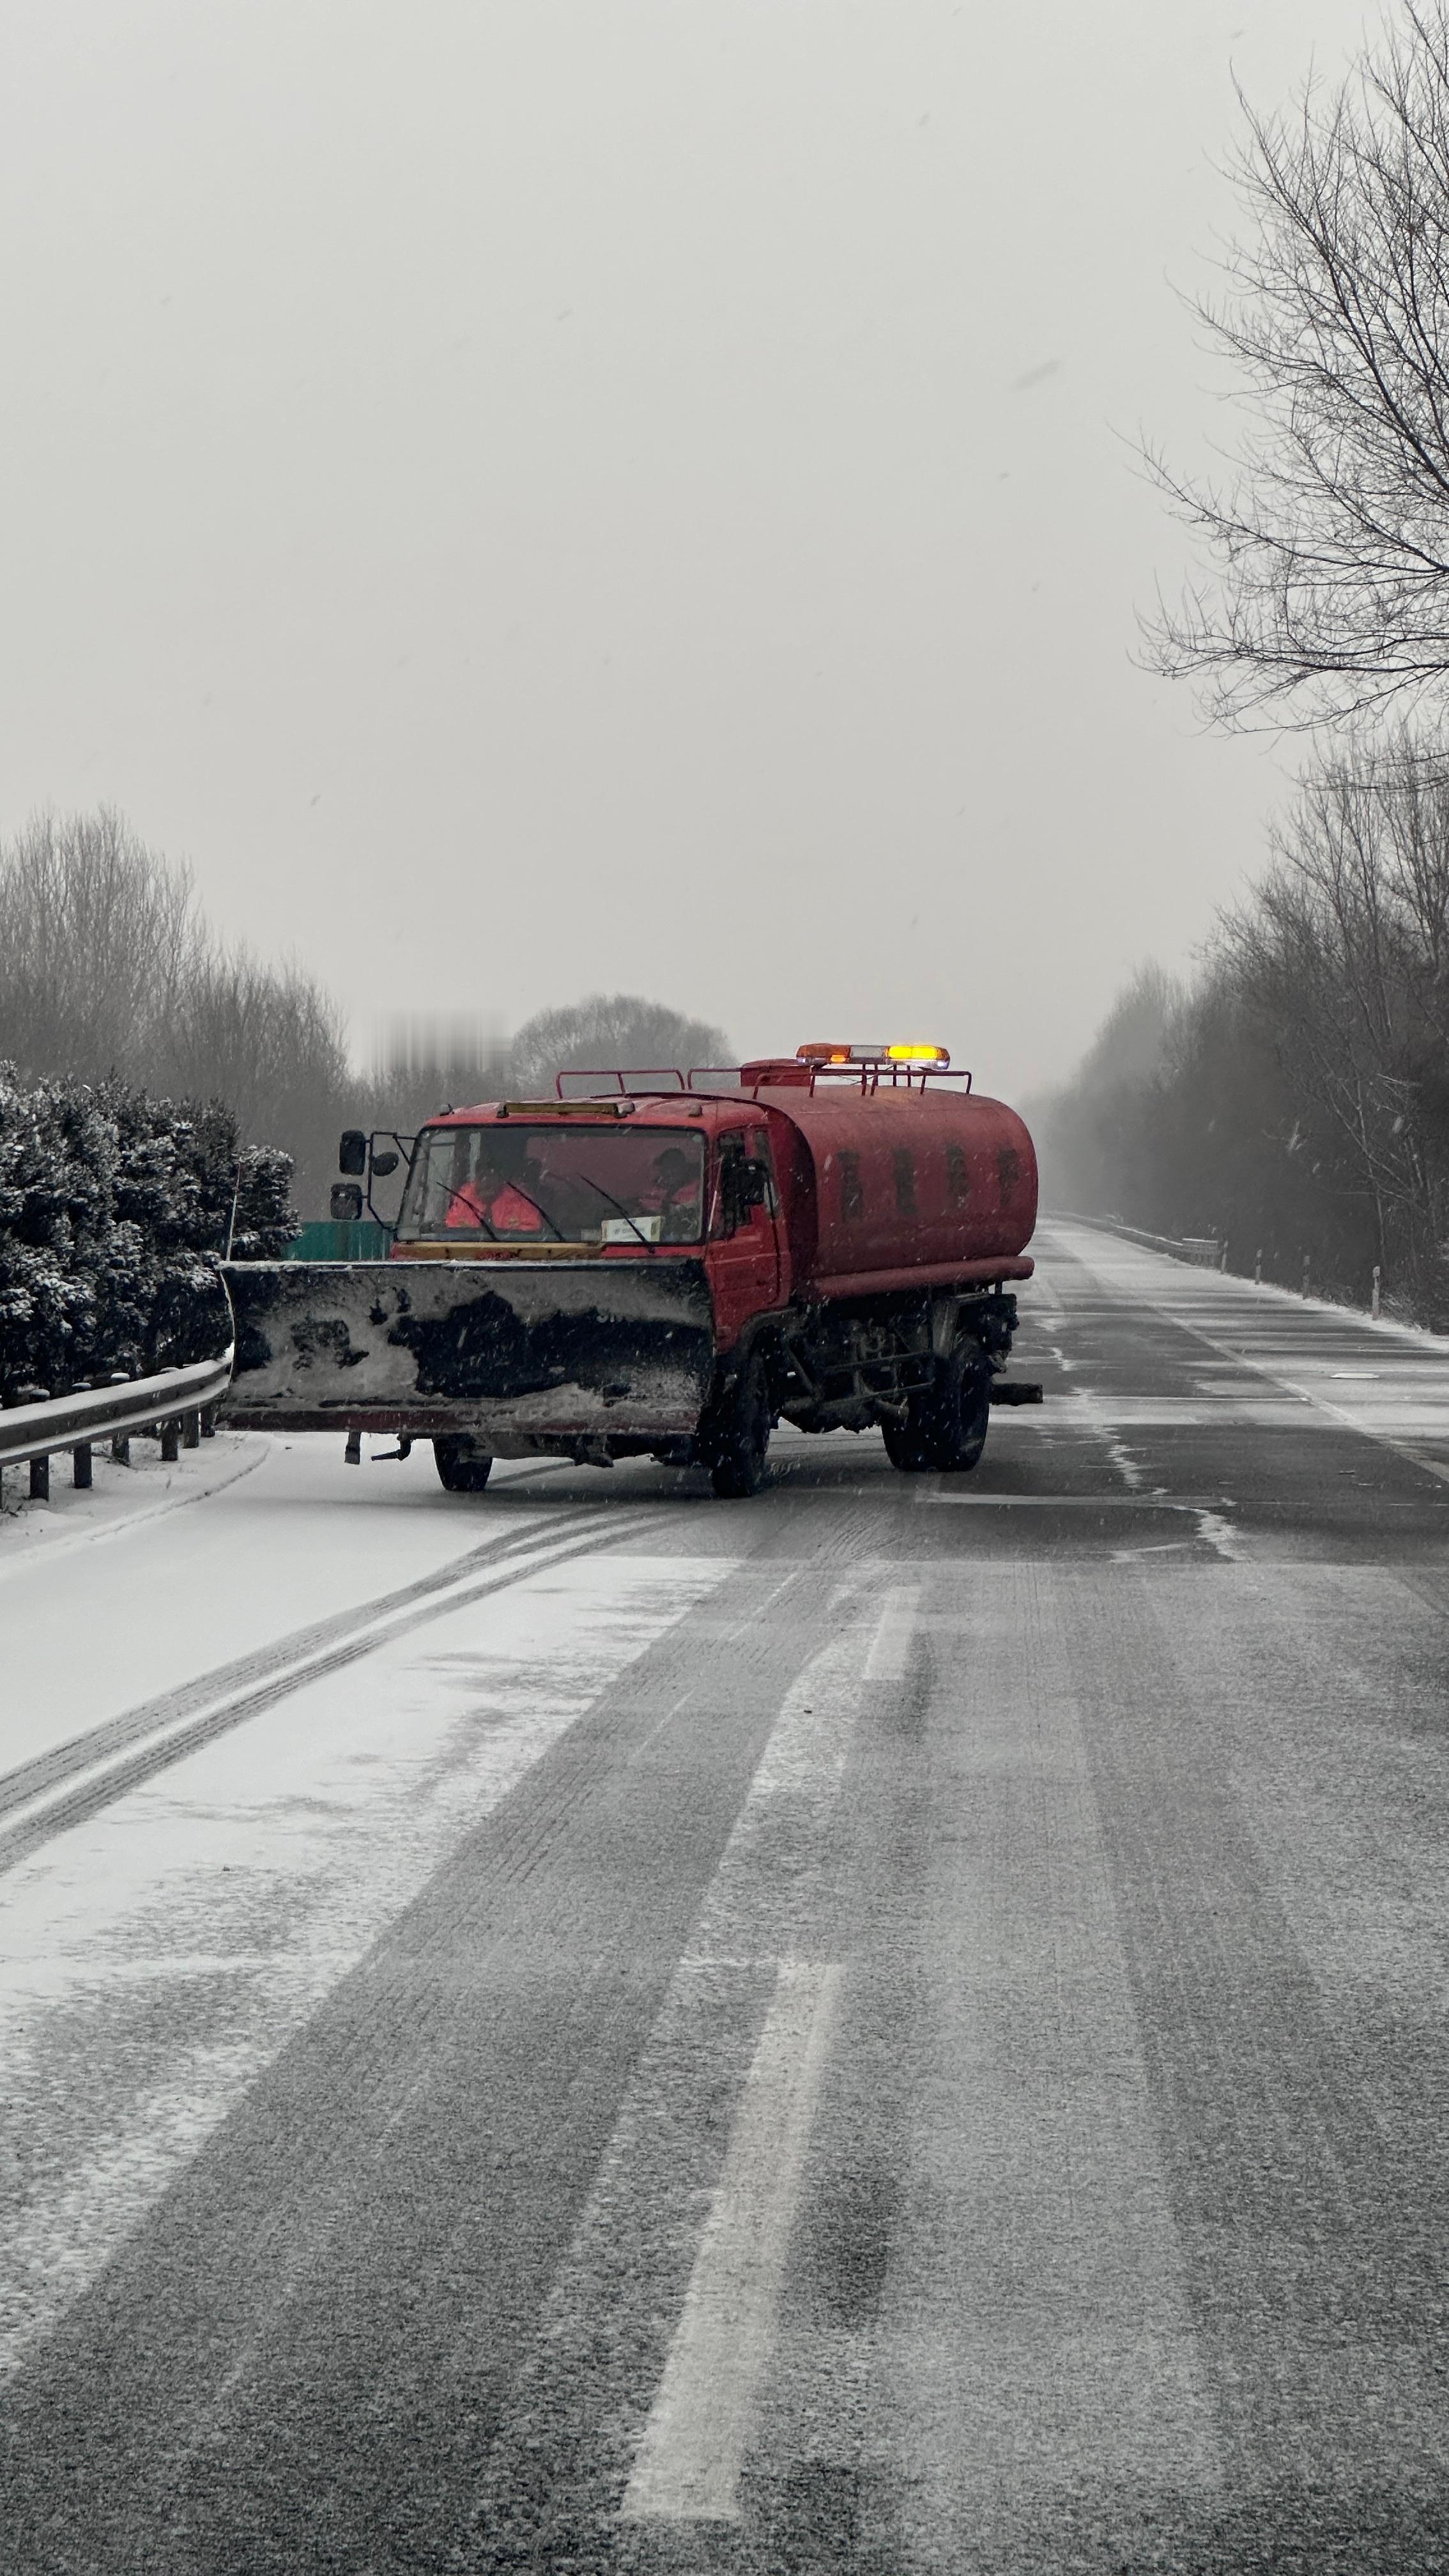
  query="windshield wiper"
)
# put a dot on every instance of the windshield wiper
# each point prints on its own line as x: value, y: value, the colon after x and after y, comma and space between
x: 619, y: 1206
x: 558, y: 1232
x: 455, y: 1199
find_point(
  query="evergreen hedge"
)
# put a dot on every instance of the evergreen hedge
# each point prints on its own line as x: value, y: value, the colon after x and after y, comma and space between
x: 114, y: 1208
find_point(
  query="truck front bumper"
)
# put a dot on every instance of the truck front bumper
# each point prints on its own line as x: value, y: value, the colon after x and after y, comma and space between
x: 515, y: 1358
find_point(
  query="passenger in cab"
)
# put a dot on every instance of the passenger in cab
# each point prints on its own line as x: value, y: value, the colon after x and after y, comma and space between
x: 497, y: 1198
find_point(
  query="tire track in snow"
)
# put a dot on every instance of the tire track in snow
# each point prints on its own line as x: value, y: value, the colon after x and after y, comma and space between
x: 71, y: 1781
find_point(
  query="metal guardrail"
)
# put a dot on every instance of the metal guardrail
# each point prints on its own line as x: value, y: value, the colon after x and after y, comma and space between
x: 37, y: 1430
x: 1204, y: 1251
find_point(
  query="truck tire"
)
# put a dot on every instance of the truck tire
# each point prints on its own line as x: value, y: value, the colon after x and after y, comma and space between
x: 736, y: 1443
x: 459, y: 1468
x: 944, y: 1431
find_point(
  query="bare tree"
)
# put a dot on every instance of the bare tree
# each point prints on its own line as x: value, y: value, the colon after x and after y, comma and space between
x: 100, y: 937
x: 611, y: 1030
x: 435, y: 1060
x: 1343, y: 952
x: 107, y: 968
x: 1330, y: 531
x: 271, y: 1043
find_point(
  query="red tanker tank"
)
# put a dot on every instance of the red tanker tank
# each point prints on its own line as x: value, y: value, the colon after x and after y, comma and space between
x: 899, y: 1182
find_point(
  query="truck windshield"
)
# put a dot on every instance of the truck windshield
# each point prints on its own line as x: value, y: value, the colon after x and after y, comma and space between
x: 555, y: 1184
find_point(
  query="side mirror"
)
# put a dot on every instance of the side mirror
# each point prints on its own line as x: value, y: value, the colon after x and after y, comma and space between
x: 352, y: 1153
x: 382, y: 1164
x: 345, y: 1204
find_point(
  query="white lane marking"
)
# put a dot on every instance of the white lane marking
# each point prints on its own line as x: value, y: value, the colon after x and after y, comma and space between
x: 890, y: 1647
x: 1069, y: 1502
x: 688, y: 2464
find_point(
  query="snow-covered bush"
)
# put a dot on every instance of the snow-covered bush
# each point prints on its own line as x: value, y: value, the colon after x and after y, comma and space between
x: 113, y: 1209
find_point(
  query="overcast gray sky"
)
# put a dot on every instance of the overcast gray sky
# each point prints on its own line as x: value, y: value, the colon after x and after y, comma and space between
x: 630, y: 493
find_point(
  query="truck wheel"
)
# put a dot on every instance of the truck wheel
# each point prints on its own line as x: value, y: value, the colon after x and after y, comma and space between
x: 459, y: 1468
x: 903, y: 1443
x: 945, y: 1427
x: 736, y: 1448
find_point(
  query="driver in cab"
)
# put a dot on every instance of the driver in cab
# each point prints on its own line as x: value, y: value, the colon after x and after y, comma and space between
x: 673, y: 1195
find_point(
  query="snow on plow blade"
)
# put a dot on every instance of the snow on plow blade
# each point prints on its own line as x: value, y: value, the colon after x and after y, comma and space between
x: 507, y: 1351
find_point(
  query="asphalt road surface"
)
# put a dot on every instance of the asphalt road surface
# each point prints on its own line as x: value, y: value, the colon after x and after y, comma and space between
x: 898, y: 2026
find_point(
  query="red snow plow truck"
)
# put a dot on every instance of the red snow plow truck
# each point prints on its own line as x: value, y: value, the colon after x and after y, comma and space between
x: 666, y: 1265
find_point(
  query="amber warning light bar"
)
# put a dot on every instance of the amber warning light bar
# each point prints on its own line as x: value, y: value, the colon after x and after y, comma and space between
x: 822, y: 1051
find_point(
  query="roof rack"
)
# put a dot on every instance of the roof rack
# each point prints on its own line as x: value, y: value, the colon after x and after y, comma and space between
x: 763, y: 1073
x: 657, y: 1077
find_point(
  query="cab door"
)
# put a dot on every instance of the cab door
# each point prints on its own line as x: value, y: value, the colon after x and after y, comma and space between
x: 744, y: 1250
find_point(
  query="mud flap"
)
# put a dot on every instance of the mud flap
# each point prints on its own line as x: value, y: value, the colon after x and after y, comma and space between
x: 514, y: 1355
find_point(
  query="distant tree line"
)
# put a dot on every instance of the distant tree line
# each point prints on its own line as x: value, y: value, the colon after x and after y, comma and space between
x: 438, y: 1062
x: 1294, y: 1098
x: 109, y: 973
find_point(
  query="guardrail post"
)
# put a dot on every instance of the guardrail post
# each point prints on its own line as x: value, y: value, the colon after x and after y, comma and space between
x: 1223, y: 1262
x: 1374, y: 1300
x: 191, y: 1430
x: 170, y: 1442
x: 39, y: 1467
x: 1305, y: 1274
x: 207, y: 1419
x: 80, y: 1456
x: 120, y: 1440
x: 1258, y: 1267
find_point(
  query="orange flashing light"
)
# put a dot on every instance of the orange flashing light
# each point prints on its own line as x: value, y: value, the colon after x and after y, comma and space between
x: 825, y: 1051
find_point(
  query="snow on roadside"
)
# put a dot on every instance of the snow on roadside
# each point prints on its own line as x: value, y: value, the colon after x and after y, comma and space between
x: 121, y: 1498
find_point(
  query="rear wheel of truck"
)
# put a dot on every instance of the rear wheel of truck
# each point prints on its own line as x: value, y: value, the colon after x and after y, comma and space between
x: 944, y: 1431
x: 460, y: 1469
x: 739, y: 1438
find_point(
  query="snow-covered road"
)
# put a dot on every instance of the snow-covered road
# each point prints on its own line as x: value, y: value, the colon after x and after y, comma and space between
x: 896, y: 2027
x: 255, y: 1791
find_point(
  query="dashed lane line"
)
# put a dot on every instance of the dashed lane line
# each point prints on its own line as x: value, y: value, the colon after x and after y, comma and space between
x: 687, y: 2467
x: 890, y: 1647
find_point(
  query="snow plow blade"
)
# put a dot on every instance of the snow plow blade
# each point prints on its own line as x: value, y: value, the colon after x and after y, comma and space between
x: 517, y: 1355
